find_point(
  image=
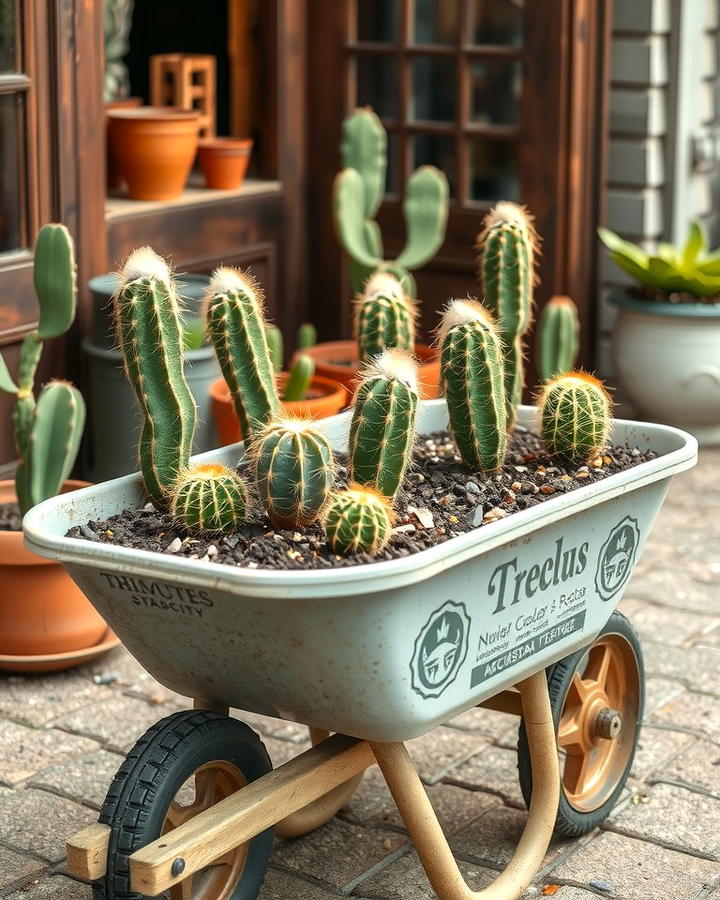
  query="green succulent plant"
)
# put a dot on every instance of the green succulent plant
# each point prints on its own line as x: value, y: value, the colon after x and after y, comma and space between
x: 47, y: 431
x: 303, y: 367
x: 384, y: 317
x: 690, y: 268
x: 574, y: 416
x: 209, y: 497
x: 358, y: 520
x: 558, y: 341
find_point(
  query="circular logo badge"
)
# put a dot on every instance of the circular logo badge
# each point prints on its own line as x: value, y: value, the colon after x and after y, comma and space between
x: 440, y: 649
x: 617, y: 558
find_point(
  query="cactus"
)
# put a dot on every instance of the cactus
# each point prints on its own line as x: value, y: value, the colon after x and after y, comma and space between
x: 358, y: 520
x: 149, y: 332
x: 209, y: 497
x: 506, y: 247
x: 47, y: 432
x: 306, y: 336
x: 357, y: 195
x: 276, y: 346
x: 301, y: 374
x: 558, y: 337
x: 383, y: 423
x: 384, y: 317
x: 575, y: 416
x: 471, y: 369
x: 294, y: 471
x: 235, y: 322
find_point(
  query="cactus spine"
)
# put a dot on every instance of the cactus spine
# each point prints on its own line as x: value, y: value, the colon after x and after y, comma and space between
x: 294, y: 472
x: 384, y: 317
x: 506, y: 253
x: 358, y: 520
x: 358, y: 193
x: 471, y: 369
x: 382, y: 430
x: 47, y: 432
x: 575, y: 416
x: 558, y: 337
x: 236, y: 325
x: 209, y: 497
x: 149, y: 334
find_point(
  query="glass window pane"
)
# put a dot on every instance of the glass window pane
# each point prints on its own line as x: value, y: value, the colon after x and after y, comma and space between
x: 436, y: 150
x: 435, y: 22
x: 495, y: 89
x: 8, y: 59
x: 496, y: 22
x: 10, y: 190
x: 434, y: 89
x: 493, y: 170
x: 377, y: 84
x: 377, y: 21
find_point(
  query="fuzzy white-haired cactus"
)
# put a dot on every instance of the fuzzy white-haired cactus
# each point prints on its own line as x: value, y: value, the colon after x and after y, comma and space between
x: 575, y: 416
x: 384, y: 316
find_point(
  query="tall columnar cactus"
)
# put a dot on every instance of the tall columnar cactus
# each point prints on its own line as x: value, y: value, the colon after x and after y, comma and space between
x: 384, y: 317
x: 506, y: 247
x: 294, y: 472
x: 47, y: 432
x: 471, y: 369
x: 209, y: 497
x: 575, y: 416
x: 149, y: 332
x: 358, y: 193
x: 382, y: 430
x: 358, y: 520
x: 558, y: 337
x: 237, y: 328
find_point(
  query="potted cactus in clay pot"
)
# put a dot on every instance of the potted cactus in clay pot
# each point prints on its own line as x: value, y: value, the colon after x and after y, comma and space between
x: 45, y: 620
x: 666, y: 336
x: 357, y: 195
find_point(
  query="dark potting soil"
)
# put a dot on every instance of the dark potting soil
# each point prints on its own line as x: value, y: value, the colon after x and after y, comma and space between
x: 10, y: 518
x: 441, y: 499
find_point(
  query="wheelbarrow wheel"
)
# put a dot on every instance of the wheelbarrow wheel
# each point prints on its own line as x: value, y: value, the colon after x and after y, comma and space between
x: 597, y: 696
x: 181, y: 766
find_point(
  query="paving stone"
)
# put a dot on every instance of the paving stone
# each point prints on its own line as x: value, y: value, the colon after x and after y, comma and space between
x: 564, y: 892
x: 25, y: 751
x: 494, y: 770
x: 695, y: 667
x: 281, y: 886
x: 117, y: 722
x: 36, y: 700
x: 637, y: 870
x: 674, y: 587
x: 697, y: 766
x: 39, y: 822
x: 491, y: 839
x: 337, y: 853
x: 441, y: 750
x: 129, y: 676
x: 84, y: 779
x: 405, y: 879
x: 278, y: 728
x: 696, y: 712
x: 15, y: 868
x: 673, y: 816
x: 659, y: 691
x: 372, y: 804
x: 655, y: 745
x: 664, y: 625
x: 53, y: 887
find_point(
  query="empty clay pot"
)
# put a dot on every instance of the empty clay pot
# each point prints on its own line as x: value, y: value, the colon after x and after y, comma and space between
x: 113, y: 176
x: 154, y: 148
x: 224, y: 162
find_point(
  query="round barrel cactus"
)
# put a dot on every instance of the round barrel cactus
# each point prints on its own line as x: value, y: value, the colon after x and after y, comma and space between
x: 209, y: 497
x: 358, y: 520
x: 575, y: 416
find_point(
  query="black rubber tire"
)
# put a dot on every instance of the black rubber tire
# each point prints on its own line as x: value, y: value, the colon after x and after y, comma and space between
x: 571, y: 822
x: 152, y: 774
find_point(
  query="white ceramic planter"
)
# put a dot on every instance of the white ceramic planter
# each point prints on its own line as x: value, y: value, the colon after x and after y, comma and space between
x: 667, y: 358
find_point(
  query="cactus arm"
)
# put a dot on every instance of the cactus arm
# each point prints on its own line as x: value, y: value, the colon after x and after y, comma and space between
x: 306, y: 336
x: 6, y: 382
x: 425, y: 208
x: 55, y: 440
x: 55, y: 283
x: 275, y: 346
x: 348, y: 204
x: 363, y: 146
x: 30, y: 353
x: 301, y: 375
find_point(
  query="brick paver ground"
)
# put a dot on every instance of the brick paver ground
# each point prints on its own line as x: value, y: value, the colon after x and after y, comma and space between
x: 62, y: 737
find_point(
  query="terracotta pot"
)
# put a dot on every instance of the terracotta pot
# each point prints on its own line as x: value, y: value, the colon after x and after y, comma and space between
x: 339, y: 360
x: 224, y: 162
x: 112, y: 175
x: 154, y: 148
x: 332, y: 397
x: 42, y: 611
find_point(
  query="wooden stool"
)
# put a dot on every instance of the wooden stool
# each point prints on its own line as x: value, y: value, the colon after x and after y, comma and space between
x: 188, y: 81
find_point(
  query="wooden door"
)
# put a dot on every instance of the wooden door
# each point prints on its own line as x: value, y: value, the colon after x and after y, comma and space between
x: 505, y: 96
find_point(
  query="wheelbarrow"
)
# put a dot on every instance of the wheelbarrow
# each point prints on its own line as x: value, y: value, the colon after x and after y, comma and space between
x: 515, y: 616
